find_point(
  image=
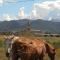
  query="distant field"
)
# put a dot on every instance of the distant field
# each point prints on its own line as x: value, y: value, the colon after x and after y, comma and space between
x: 53, y: 40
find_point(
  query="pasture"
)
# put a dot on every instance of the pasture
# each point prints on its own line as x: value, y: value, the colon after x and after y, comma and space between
x: 53, y: 40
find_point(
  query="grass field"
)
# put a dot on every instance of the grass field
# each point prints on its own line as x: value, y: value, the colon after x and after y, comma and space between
x: 53, y: 40
x: 3, y: 57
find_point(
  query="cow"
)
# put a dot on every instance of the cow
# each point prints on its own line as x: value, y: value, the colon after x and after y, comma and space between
x: 30, y: 49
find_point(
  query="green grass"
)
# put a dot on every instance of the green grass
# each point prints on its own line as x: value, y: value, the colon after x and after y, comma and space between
x: 53, y: 40
x: 1, y: 43
x: 2, y: 54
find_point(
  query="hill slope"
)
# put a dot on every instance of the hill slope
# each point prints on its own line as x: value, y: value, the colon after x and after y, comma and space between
x: 15, y: 25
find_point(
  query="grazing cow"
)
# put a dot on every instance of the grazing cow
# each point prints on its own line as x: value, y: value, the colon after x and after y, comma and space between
x: 32, y: 49
x: 28, y: 49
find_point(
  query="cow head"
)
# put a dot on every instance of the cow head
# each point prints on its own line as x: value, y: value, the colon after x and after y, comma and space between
x: 8, y: 44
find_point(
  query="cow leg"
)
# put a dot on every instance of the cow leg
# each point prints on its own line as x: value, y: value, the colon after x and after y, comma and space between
x: 52, y: 56
x: 41, y: 58
x: 14, y: 57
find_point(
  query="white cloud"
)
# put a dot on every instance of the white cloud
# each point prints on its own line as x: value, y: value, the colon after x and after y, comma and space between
x: 1, y: 2
x: 39, y: 11
x: 50, y: 4
x: 8, y: 17
x: 50, y: 18
x: 33, y: 14
x: 42, y: 10
x: 46, y: 9
x: 21, y: 13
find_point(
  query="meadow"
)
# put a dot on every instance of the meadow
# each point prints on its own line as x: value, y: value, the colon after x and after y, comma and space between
x: 53, y: 40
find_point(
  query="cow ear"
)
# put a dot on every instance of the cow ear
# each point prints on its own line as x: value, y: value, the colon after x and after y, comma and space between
x: 5, y: 37
x: 12, y: 37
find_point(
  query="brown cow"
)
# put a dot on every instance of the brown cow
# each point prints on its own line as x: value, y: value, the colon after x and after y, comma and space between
x: 32, y: 49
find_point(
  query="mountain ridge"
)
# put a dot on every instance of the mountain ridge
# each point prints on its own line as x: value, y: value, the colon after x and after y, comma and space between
x: 43, y: 25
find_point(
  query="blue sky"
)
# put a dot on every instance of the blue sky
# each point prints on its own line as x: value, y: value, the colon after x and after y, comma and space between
x: 13, y: 8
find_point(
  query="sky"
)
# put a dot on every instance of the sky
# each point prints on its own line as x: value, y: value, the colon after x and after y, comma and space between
x: 31, y: 9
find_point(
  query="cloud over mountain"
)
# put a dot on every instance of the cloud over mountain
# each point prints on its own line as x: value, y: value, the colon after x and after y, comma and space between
x: 50, y: 9
x: 8, y: 17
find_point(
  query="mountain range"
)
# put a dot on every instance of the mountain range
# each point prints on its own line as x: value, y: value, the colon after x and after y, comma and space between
x: 39, y: 24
